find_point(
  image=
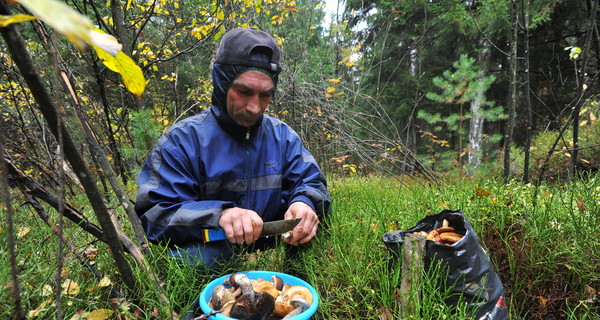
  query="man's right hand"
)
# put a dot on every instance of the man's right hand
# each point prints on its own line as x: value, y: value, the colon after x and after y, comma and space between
x: 241, y: 225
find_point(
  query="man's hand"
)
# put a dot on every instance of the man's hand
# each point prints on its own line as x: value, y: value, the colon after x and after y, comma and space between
x: 241, y: 225
x: 307, y: 229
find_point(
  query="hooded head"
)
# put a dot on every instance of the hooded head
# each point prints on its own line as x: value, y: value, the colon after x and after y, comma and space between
x: 242, y: 50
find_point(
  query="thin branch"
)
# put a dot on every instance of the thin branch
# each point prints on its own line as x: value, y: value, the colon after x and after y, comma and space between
x: 10, y: 234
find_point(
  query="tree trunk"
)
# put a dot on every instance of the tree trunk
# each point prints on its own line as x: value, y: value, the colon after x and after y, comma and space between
x: 510, y: 122
x: 527, y: 94
x: 119, y: 23
x: 476, y: 126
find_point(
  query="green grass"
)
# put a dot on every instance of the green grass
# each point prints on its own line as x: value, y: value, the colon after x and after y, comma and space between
x: 544, y: 245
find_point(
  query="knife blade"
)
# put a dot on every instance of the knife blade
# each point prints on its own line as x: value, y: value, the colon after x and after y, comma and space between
x: 270, y: 228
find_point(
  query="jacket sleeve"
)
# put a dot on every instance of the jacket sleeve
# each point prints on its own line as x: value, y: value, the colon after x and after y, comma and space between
x: 303, y: 180
x: 170, y: 198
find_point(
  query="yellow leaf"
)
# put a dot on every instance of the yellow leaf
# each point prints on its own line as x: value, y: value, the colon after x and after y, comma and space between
x: 70, y: 287
x: 105, y: 42
x: 46, y: 303
x: 64, y: 272
x: 23, y: 232
x: 105, y: 282
x: 15, y: 18
x: 62, y: 18
x: 132, y: 74
x: 220, y: 15
x: 334, y: 81
x: 35, y: 313
x: 47, y: 290
x: 100, y: 314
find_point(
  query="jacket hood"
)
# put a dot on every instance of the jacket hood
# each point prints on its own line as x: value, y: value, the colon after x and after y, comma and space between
x: 241, y: 50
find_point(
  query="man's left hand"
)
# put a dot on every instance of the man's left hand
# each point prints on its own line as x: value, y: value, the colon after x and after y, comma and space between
x: 307, y: 228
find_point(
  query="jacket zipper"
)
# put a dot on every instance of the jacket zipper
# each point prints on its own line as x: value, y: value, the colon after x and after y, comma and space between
x: 249, y: 202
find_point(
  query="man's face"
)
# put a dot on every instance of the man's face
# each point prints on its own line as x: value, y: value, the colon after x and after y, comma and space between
x: 249, y: 97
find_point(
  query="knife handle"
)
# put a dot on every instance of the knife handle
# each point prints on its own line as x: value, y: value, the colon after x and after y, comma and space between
x: 209, y: 235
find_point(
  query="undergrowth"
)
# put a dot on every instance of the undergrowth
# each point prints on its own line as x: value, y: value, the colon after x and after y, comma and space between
x: 542, y: 240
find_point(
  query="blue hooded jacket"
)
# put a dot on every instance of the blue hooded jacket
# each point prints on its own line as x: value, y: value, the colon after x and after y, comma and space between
x: 207, y: 163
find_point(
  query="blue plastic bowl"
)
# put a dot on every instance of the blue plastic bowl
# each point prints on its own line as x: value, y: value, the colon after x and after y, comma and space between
x: 206, y: 294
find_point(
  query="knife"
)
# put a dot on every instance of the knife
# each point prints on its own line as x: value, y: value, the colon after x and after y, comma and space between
x: 270, y: 228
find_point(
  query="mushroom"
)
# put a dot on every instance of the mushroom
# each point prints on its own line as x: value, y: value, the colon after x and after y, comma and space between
x: 251, y: 304
x: 220, y: 297
x: 227, y: 308
x: 300, y: 305
x: 283, y: 303
x: 285, y: 287
x: 277, y: 282
x: 266, y: 286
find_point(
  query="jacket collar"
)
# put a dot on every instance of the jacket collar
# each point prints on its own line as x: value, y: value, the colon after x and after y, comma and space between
x: 239, y: 133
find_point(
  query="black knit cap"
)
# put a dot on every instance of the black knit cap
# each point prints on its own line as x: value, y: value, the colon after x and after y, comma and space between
x: 237, y: 46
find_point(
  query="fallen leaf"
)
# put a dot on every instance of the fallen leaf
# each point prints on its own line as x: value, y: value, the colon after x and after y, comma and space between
x: 481, y: 193
x: 35, y: 313
x: 91, y: 253
x: 47, y: 290
x: 64, y: 272
x: 581, y: 206
x: 543, y: 301
x: 105, y: 282
x: 100, y: 314
x: 23, y: 231
x: 590, y: 294
x: 70, y: 287
x: 79, y: 315
x: 42, y: 307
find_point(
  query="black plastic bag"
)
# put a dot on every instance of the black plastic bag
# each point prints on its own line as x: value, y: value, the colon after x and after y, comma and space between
x: 471, y: 271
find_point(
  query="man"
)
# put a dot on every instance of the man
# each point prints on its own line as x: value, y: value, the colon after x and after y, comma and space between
x: 231, y: 166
